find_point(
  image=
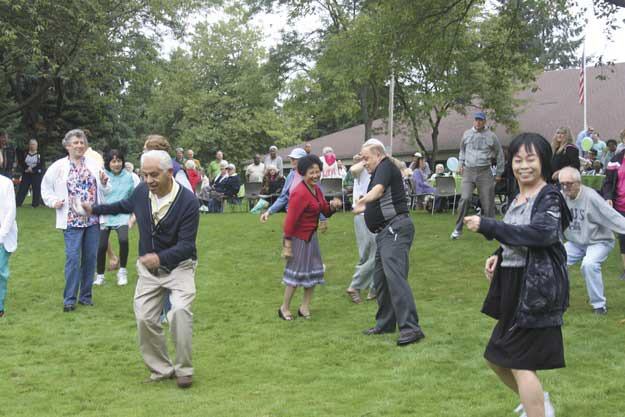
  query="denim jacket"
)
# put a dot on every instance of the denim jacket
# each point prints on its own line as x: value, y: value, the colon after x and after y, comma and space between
x: 544, y: 292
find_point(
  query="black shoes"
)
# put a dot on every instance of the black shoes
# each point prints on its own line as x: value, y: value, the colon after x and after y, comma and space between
x: 71, y: 307
x: 601, y: 311
x: 184, y: 381
x: 407, y: 337
x: 373, y: 331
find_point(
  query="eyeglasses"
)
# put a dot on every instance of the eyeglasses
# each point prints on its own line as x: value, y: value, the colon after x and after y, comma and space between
x: 568, y: 184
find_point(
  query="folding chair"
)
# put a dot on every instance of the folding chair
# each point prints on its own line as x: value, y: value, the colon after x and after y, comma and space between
x: 411, y: 194
x: 445, y: 187
x: 252, y: 192
x: 333, y: 187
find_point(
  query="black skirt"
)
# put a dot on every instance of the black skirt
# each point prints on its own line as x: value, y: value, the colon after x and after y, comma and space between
x: 519, y: 348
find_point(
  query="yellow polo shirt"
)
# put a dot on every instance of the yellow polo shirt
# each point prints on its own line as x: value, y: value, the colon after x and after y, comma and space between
x: 160, y: 206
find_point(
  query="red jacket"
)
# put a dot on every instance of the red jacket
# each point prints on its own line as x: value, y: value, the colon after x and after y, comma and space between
x: 194, y: 178
x: 302, y: 216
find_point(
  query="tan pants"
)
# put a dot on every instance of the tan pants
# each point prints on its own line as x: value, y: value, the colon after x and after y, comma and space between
x: 149, y: 296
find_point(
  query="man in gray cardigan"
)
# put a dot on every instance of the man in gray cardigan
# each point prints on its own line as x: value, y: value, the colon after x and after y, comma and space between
x: 590, y: 236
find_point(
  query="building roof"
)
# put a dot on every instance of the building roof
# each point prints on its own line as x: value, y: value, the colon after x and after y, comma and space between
x: 553, y: 102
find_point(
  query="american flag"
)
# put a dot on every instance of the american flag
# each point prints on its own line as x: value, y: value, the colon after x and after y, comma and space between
x: 580, y: 89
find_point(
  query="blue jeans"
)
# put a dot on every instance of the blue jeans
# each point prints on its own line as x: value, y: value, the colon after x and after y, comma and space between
x: 81, y: 249
x: 591, y: 256
x: 4, y: 274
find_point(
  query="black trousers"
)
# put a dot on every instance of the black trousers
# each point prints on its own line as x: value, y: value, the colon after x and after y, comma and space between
x: 122, y: 236
x: 396, y: 305
x: 28, y: 181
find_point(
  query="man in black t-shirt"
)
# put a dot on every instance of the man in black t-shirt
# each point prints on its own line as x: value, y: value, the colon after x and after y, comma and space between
x: 386, y: 214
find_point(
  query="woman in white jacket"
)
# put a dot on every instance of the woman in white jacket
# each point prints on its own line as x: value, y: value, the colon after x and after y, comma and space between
x: 68, y: 183
x: 8, y: 233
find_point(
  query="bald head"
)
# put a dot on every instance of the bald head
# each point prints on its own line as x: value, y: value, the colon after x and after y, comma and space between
x: 570, y: 181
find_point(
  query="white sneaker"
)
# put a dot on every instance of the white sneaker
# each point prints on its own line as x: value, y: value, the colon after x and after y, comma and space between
x: 122, y: 277
x: 455, y: 234
x: 99, y: 279
x: 549, y: 410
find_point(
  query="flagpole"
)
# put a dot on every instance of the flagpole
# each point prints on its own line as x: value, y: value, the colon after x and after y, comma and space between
x: 391, y: 100
x: 585, y: 89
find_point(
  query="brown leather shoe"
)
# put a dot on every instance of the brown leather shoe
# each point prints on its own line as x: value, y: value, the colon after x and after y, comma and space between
x: 184, y: 381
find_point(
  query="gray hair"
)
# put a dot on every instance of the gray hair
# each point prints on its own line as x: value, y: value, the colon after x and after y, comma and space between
x: 376, y: 145
x: 189, y: 164
x: 78, y: 133
x: 179, y: 150
x: 163, y: 158
x: 327, y: 149
x: 577, y: 177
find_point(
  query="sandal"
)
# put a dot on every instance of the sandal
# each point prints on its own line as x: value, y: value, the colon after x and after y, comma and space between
x: 355, y: 296
x: 299, y: 313
x: 283, y: 316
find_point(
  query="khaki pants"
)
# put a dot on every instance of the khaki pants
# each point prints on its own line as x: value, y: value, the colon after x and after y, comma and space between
x: 148, y: 304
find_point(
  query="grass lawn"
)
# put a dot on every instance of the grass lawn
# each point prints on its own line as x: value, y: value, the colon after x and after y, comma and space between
x: 250, y: 363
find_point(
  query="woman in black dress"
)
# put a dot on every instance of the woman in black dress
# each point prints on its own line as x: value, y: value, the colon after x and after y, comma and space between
x: 565, y: 153
x: 529, y: 287
x: 31, y: 164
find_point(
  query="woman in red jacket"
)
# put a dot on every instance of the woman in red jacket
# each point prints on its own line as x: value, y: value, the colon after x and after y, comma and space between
x: 304, y: 267
x: 193, y: 174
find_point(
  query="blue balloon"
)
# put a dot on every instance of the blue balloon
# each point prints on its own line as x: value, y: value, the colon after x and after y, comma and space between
x: 452, y: 164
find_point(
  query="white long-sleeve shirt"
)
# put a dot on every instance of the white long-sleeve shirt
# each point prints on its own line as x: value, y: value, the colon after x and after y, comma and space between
x: 54, y: 187
x: 8, y: 226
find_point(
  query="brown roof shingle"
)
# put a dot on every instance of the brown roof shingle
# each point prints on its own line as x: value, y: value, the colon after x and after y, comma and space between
x: 552, y: 104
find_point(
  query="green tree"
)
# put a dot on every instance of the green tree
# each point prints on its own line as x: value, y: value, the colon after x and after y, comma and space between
x: 220, y: 94
x: 68, y: 63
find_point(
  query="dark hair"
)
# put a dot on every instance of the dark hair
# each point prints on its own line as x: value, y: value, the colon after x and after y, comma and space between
x: 112, y: 154
x: 533, y: 142
x: 611, y: 141
x: 303, y: 164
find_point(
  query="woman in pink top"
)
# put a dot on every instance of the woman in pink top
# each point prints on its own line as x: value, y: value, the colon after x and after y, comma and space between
x: 613, y: 191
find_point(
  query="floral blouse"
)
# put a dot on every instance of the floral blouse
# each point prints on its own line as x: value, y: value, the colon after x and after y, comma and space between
x: 81, y: 188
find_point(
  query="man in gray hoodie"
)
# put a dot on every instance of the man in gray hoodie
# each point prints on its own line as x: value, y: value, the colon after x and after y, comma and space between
x: 590, y: 236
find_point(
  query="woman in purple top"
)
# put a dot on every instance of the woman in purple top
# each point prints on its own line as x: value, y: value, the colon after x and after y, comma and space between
x: 420, y: 179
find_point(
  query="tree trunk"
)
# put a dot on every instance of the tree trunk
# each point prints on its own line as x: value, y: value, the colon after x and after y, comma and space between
x: 364, y: 111
x: 411, y: 116
x: 435, y: 142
